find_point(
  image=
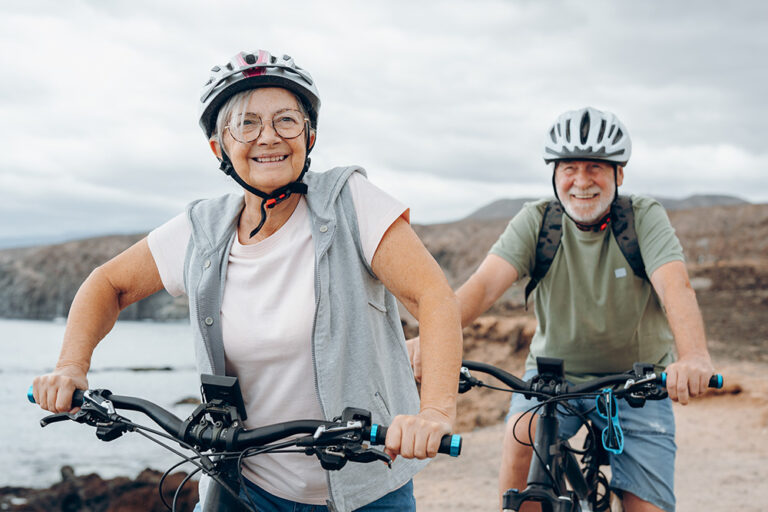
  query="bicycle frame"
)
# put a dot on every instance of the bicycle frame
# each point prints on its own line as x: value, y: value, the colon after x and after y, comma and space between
x: 554, y: 462
x: 553, y: 453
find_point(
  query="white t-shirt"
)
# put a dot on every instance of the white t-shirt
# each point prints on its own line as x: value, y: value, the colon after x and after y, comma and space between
x: 267, y: 315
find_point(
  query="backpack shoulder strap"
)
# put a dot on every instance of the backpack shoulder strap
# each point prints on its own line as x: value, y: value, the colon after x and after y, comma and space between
x: 623, y: 226
x: 547, y: 244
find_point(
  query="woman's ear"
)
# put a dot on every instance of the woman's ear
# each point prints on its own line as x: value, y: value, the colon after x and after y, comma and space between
x: 312, y: 138
x: 215, y: 147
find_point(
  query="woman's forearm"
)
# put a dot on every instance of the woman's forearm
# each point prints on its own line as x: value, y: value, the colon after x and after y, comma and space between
x: 441, y: 352
x: 92, y: 315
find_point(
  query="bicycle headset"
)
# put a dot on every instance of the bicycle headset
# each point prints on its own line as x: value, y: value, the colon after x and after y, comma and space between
x: 246, y: 71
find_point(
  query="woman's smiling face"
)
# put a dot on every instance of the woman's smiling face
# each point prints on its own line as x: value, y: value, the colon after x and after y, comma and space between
x: 269, y: 161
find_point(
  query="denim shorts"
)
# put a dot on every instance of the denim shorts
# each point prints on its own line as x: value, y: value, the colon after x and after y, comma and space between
x: 646, y: 467
x: 398, y: 500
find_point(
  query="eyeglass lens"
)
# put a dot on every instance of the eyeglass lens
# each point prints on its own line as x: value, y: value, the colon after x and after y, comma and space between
x: 246, y: 128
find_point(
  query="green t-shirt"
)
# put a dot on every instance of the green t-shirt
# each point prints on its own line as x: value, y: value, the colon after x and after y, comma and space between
x: 592, y: 310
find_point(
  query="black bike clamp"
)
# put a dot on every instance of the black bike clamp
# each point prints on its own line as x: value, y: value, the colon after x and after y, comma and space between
x: 467, y: 381
x: 649, y: 391
x: 337, y: 444
x: 550, y: 378
x: 514, y: 498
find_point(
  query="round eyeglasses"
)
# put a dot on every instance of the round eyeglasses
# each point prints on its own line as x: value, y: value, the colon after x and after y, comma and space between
x: 247, y: 127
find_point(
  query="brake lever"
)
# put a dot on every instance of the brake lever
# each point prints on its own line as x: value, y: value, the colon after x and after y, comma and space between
x: 360, y: 453
x: 55, y: 418
x: 84, y: 415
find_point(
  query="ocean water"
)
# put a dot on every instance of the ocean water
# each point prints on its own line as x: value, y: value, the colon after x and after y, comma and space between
x: 33, y: 455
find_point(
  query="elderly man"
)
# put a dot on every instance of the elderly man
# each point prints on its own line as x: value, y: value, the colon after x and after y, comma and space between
x: 610, y: 288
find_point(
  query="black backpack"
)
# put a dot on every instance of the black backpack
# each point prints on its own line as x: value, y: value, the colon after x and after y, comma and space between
x: 622, y: 221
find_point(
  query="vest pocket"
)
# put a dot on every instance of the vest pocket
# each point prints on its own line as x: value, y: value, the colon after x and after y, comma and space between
x: 377, y: 306
x: 376, y: 298
x: 382, y: 403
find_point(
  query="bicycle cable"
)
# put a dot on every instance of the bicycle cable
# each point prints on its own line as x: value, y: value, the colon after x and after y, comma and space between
x: 180, y: 487
x: 559, y: 401
x: 199, y: 455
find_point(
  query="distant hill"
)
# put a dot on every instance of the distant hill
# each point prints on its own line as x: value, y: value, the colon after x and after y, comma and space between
x: 40, y: 282
x: 507, y: 208
x: 708, y: 235
x: 500, y: 209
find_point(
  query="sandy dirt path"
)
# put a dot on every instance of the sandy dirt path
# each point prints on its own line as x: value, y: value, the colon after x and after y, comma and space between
x: 722, y: 462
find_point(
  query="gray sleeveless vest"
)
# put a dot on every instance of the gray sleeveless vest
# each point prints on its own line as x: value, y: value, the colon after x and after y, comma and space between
x: 358, y: 347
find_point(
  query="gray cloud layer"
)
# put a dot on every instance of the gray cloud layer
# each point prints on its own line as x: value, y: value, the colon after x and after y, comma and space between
x: 445, y: 104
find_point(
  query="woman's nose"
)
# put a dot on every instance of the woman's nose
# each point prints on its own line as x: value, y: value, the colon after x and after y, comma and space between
x: 268, y: 135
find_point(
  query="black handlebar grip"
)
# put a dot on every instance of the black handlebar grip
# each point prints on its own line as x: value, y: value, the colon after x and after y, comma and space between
x: 715, y: 381
x: 77, y: 397
x: 450, y: 444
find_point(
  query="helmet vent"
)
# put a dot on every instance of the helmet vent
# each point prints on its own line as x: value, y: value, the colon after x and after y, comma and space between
x: 610, y: 132
x: 618, y: 136
x: 552, y: 135
x: 584, y: 128
x: 601, y: 132
x: 568, y: 131
x: 250, y: 59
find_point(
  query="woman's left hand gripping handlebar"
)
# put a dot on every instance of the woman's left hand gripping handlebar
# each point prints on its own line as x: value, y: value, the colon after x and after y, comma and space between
x: 417, y: 436
x: 53, y: 391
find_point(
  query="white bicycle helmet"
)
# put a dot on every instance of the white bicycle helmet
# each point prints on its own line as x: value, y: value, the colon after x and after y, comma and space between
x: 588, y: 134
x: 251, y: 70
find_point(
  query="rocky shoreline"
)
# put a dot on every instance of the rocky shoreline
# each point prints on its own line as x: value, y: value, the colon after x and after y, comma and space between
x: 91, y: 493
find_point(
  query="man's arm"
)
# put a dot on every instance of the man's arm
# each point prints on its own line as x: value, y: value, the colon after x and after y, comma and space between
x: 482, y: 289
x: 689, y: 375
x: 491, y: 279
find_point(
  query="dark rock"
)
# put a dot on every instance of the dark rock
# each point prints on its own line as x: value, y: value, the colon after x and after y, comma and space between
x: 91, y: 493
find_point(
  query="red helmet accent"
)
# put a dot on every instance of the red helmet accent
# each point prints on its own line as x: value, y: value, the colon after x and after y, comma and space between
x: 263, y: 57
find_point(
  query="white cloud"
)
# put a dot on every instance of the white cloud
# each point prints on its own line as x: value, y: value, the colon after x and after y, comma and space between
x: 445, y: 104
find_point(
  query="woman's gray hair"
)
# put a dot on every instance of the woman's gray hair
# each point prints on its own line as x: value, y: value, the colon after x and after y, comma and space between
x: 236, y: 107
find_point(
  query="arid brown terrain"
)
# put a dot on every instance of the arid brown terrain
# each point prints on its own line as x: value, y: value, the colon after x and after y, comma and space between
x: 722, y: 438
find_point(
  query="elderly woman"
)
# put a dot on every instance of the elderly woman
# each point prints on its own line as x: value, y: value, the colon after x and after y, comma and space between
x: 292, y: 289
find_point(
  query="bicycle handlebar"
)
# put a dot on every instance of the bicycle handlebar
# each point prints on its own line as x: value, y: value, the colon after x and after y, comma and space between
x: 234, y: 438
x: 526, y: 387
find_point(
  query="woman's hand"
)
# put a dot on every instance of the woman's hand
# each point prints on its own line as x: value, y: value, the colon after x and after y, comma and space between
x: 414, y: 354
x: 417, y: 436
x: 53, y: 391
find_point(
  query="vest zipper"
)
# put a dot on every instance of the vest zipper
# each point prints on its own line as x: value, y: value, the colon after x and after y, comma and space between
x: 329, y: 503
x: 204, y: 328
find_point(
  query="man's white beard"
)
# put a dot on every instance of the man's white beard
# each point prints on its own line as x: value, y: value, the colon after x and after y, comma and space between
x: 587, y: 214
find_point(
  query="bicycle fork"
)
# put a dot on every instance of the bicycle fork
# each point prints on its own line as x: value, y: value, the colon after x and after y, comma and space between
x: 546, y: 484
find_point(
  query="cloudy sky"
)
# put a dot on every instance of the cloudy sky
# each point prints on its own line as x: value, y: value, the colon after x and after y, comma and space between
x: 444, y: 103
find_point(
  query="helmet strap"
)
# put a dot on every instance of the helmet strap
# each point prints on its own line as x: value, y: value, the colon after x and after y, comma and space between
x: 277, y: 196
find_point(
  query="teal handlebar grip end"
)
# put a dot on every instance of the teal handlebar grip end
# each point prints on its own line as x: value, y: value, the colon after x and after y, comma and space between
x: 716, y: 381
x: 455, y: 445
x: 31, y: 395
